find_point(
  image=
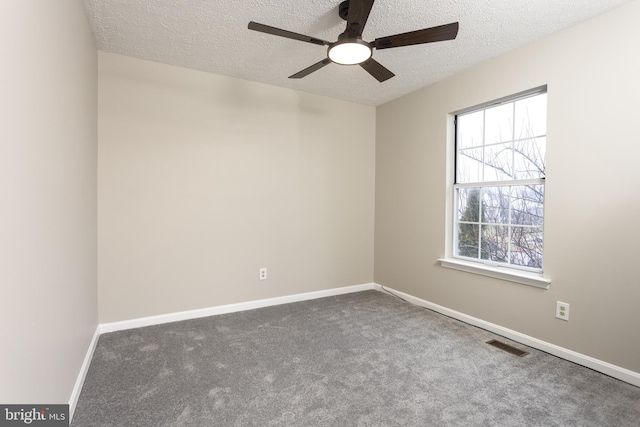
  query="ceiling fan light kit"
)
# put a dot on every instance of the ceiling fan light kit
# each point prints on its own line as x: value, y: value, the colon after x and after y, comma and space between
x: 350, y: 49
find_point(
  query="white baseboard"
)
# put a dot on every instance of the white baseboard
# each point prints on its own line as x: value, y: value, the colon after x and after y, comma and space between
x: 230, y: 308
x: 77, y: 388
x: 623, y: 374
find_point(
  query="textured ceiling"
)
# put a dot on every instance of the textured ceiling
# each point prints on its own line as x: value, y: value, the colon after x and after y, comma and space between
x: 212, y: 35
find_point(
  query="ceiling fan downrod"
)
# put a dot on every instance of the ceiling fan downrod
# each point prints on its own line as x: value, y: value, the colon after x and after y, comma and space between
x: 343, y: 9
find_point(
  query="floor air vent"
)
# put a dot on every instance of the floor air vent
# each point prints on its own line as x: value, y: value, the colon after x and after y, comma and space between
x: 507, y: 348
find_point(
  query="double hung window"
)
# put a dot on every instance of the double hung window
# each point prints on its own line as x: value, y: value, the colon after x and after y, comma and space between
x: 499, y: 187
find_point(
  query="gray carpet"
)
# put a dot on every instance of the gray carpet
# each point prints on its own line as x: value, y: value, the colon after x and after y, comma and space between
x: 363, y: 359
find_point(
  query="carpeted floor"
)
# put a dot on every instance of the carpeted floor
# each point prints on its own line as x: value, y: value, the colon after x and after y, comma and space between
x: 362, y: 359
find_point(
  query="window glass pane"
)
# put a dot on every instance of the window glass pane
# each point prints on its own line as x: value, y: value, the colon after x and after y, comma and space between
x: 498, y: 122
x: 531, y: 117
x: 526, y: 246
x: 495, y: 243
x: 470, y: 129
x: 498, y: 161
x: 529, y: 158
x: 468, y: 204
x: 527, y: 205
x: 470, y: 165
x: 468, y: 240
x: 495, y: 204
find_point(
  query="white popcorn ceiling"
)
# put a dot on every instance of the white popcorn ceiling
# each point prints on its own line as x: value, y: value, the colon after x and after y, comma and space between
x: 212, y: 36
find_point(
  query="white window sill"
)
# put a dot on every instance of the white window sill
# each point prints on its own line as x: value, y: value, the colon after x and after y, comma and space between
x: 502, y: 273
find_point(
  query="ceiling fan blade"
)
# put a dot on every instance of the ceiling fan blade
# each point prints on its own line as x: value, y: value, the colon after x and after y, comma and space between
x: 311, y: 69
x: 428, y: 35
x: 358, y: 14
x: 378, y: 71
x: 284, y: 33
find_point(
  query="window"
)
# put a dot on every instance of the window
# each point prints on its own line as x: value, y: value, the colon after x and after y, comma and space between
x: 500, y: 152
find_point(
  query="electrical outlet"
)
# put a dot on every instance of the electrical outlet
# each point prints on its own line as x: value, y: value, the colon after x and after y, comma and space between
x: 562, y: 310
x: 263, y: 273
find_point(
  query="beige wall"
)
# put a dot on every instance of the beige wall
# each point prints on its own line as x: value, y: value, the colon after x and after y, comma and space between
x: 48, y: 144
x: 592, y: 198
x: 204, y: 179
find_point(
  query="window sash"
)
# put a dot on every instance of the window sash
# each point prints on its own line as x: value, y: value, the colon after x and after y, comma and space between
x: 512, y: 140
x: 481, y: 224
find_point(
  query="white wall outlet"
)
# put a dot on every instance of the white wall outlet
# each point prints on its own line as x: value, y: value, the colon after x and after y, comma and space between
x: 562, y: 310
x: 263, y: 273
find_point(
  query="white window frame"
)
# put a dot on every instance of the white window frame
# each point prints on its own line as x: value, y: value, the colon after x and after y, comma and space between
x: 509, y: 272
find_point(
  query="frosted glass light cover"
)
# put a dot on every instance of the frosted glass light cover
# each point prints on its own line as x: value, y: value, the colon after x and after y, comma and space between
x: 349, y: 53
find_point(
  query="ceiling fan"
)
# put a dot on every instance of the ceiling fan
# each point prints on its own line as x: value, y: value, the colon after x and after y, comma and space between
x: 350, y: 49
